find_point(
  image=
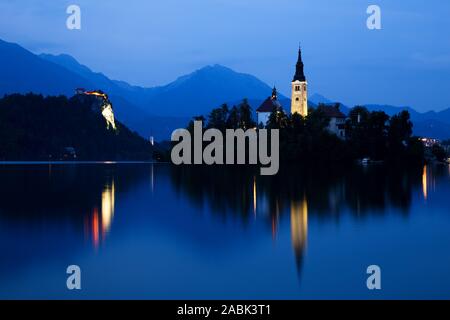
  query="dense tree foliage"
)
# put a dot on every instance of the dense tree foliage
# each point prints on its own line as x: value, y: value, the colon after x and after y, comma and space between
x: 372, y: 135
x: 33, y: 127
x: 377, y: 136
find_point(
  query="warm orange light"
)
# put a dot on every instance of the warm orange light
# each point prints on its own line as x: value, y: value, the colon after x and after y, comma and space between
x: 108, y: 198
x: 299, y: 225
x: 96, y: 93
x: 95, y: 228
x: 424, y: 183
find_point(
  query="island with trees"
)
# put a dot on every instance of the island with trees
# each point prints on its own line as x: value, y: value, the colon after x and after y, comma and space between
x: 369, y: 135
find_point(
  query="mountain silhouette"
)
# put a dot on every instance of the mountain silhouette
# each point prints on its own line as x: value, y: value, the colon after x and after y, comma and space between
x: 23, y: 72
x: 207, y: 88
x: 191, y: 94
x: 159, y: 110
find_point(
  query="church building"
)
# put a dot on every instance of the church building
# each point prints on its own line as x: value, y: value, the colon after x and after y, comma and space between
x: 299, y: 96
x: 266, y: 108
x: 299, y: 103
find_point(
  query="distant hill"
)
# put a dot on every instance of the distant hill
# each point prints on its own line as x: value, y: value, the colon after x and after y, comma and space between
x: 432, y: 128
x: 318, y: 98
x: 159, y: 110
x: 201, y: 90
x: 22, y: 72
x: 429, y: 124
x: 34, y: 127
x: 191, y: 94
x: 163, y: 109
x: 206, y: 88
x: 133, y: 97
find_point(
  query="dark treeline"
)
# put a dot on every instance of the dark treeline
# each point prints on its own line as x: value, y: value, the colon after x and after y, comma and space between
x: 372, y: 135
x: 33, y: 127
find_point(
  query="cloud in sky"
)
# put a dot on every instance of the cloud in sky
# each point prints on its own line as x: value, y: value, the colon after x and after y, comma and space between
x: 153, y: 42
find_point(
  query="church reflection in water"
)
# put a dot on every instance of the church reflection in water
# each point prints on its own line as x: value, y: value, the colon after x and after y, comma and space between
x: 295, y: 196
x: 299, y: 230
x: 279, y: 206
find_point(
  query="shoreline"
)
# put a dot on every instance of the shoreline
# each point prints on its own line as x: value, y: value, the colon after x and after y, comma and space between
x: 75, y: 162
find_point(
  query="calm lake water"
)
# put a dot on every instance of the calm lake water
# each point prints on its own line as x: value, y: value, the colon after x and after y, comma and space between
x: 155, y: 231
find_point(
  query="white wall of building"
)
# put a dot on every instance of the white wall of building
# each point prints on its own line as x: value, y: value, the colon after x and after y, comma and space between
x: 333, y: 127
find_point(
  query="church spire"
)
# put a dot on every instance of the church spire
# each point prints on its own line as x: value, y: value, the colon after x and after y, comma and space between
x: 274, y: 93
x: 299, y: 73
x: 299, y: 97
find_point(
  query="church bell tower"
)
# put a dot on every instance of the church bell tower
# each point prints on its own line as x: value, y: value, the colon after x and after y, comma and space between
x: 299, y: 97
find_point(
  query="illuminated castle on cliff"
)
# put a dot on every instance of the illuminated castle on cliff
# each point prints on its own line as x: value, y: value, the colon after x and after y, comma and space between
x: 103, y: 106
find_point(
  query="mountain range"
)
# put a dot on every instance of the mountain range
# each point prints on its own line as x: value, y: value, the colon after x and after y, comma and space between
x: 159, y: 110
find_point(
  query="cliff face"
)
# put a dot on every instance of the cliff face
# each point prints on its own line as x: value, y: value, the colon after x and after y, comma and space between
x: 100, y: 104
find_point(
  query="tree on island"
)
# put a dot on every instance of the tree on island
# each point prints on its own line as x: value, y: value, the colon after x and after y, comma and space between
x: 278, y: 119
x: 372, y: 135
x: 245, y: 116
x: 380, y: 137
x: 233, y: 118
x: 218, y: 118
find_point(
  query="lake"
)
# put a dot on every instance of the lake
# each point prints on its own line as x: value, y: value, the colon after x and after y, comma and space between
x: 141, y: 230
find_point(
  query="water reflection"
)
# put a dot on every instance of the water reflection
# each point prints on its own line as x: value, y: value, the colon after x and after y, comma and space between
x: 107, y: 207
x: 152, y: 178
x: 295, y: 195
x: 83, y: 195
x: 211, y: 211
x: 328, y: 191
x: 299, y: 230
x: 424, y: 183
x: 99, y: 226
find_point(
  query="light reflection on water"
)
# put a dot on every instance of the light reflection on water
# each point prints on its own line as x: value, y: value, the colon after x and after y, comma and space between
x: 299, y: 229
x: 96, y: 225
x: 183, y: 232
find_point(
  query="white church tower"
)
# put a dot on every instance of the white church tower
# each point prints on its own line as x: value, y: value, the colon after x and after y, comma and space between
x: 299, y: 97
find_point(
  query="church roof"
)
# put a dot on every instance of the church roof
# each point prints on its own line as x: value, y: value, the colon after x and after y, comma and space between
x: 299, y: 72
x: 331, y: 111
x: 270, y: 103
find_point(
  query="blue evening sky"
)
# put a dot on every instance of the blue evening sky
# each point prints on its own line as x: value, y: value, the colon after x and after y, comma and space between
x: 148, y: 42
